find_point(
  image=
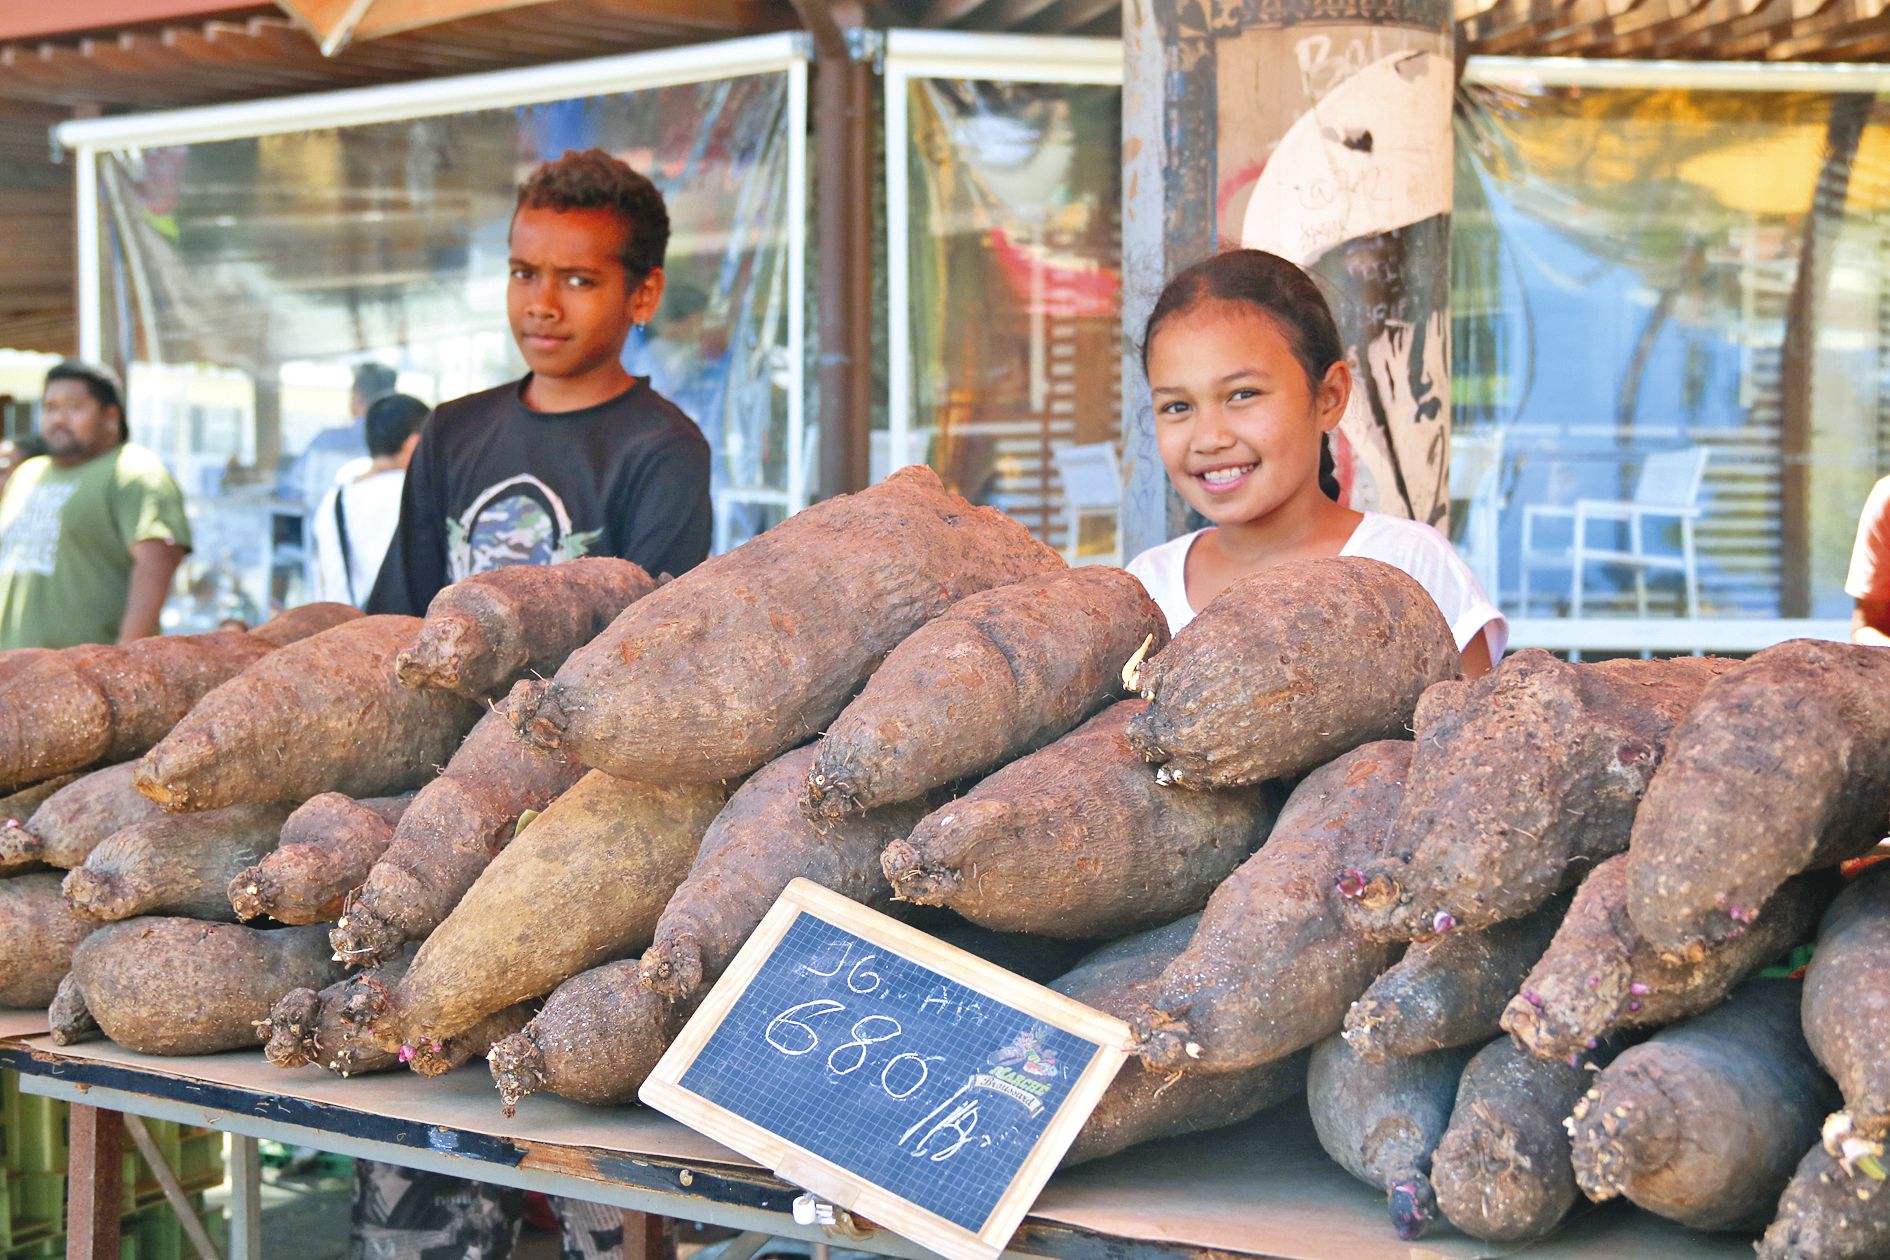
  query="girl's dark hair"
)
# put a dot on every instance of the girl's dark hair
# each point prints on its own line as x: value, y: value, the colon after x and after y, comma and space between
x: 1274, y: 287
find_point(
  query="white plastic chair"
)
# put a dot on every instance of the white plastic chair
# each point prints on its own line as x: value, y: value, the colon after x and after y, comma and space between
x: 1092, y: 482
x: 1667, y: 489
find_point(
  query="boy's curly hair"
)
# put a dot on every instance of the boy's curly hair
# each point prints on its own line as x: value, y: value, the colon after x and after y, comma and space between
x: 594, y: 180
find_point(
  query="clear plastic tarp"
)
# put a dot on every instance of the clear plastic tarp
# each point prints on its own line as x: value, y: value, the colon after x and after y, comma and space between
x: 245, y: 279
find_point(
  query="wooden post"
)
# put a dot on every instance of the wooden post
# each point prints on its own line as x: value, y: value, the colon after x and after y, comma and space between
x: 647, y: 1236
x: 94, y: 1183
x: 1319, y: 130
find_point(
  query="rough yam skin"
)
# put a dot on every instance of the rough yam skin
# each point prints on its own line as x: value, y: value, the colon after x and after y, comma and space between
x: 299, y: 623
x: 1002, y: 673
x: 1847, y: 998
x: 485, y: 632
x: 447, y: 836
x: 178, y: 986
x: 1502, y: 1172
x: 1522, y: 782
x: 326, y: 849
x: 1599, y: 975
x: 77, y: 819
x: 1382, y: 1121
x: 1078, y: 840
x: 758, y: 844
x: 175, y: 864
x: 323, y: 714
x: 1782, y: 766
x: 1289, y: 668
x: 754, y: 652
x: 1272, y: 966
x: 1827, y: 1214
x: 100, y: 703
x: 17, y: 807
x: 1703, y: 1123
x: 584, y: 884
x: 67, y: 1018
x: 595, y: 1041
x: 306, y: 1026
x: 1450, y: 990
x: 38, y: 932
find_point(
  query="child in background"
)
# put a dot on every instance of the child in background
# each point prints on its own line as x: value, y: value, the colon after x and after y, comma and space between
x: 1248, y: 377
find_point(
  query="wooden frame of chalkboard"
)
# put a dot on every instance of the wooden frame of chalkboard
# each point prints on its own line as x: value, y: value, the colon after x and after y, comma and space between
x: 1109, y: 1038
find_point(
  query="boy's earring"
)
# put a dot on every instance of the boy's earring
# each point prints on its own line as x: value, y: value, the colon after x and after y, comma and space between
x: 641, y: 326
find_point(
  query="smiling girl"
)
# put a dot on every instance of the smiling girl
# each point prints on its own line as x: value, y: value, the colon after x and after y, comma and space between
x: 1248, y: 377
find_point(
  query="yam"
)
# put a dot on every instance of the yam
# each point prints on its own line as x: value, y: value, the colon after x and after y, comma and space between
x: 1273, y: 967
x: 1502, y: 1172
x: 1600, y: 976
x: 755, y: 652
x: 1704, y: 1122
x: 1522, y: 782
x: 300, y: 622
x: 17, y: 807
x: 1450, y: 990
x: 175, y: 864
x: 76, y: 819
x: 38, y: 932
x: 1847, y: 999
x: 1827, y: 1213
x: 1783, y: 766
x: 1382, y: 1121
x: 1078, y: 840
x: 487, y: 631
x: 1000, y: 674
x: 595, y: 1041
x: 326, y: 849
x: 758, y: 844
x: 582, y: 885
x: 323, y: 714
x: 67, y: 1018
x: 446, y: 837
x: 1287, y: 669
x: 180, y: 986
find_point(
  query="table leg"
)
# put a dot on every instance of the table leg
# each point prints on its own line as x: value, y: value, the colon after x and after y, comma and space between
x: 94, y: 1183
x: 647, y: 1236
x: 245, y: 1199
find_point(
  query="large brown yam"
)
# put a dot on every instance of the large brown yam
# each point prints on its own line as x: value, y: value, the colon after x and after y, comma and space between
x: 1502, y: 1172
x: 175, y: 864
x: 595, y: 1041
x: 178, y: 986
x: 96, y: 704
x: 485, y: 632
x: 1272, y: 966
x: 1827, y: 1213
x: 1599, y: 975
x: 1783, y: 766
x: 1003, y: 672
x: 1522, y: 782
x: 1078, y: 840
x: 1450, y: 990
x: 38, y: 932
x: 1703, y: 1123
x: 17, y: 807
x: 1142, y: 1104
x: 326, y: 849
x: 299, y: 623
x: 323, y: 714
x: 1382, y: 1121
x: 757, y: 845
x: 447, y: 836
x: 1287, y: 669
x: 1847, y: 998
x: 67, y: 1018
x: 77, y: 819
x: 582, y: 885
x: 754, y: 652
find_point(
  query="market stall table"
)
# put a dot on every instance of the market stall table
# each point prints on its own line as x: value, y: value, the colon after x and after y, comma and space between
x: 1262, y: 1189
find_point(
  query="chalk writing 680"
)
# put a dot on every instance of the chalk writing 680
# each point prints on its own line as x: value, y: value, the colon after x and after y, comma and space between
x: 780, y: 1026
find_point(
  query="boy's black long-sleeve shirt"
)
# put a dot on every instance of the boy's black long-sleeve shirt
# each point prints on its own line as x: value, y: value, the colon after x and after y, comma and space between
x: 494, y: 483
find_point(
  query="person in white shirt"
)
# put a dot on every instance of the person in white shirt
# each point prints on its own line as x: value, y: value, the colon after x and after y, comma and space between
x: 355, y: 521
x: 1248, y: 377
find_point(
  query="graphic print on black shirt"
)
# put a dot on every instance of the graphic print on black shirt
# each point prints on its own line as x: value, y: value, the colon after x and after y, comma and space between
x: 494, y: 483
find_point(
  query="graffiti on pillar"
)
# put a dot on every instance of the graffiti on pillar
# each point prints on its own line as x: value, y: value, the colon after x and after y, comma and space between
x: 1359, y: 191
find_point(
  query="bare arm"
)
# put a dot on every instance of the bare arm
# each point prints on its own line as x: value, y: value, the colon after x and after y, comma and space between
x: 1870, y: 622
x: 153, y: 562
x: 1476, y: 657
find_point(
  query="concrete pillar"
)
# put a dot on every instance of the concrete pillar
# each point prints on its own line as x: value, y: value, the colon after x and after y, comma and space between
x: 1319, y: 130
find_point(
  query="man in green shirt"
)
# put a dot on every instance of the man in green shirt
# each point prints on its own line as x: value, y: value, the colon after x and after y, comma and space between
x: 92, y: 531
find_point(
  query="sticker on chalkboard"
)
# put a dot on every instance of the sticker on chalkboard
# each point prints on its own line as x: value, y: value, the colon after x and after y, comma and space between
x: 899, y: 1077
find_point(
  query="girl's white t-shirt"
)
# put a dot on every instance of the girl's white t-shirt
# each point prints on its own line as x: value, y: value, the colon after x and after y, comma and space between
x: 1416, y: 548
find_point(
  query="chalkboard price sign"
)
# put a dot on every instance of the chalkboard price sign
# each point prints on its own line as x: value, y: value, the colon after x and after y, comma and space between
x: 908, y: 1081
